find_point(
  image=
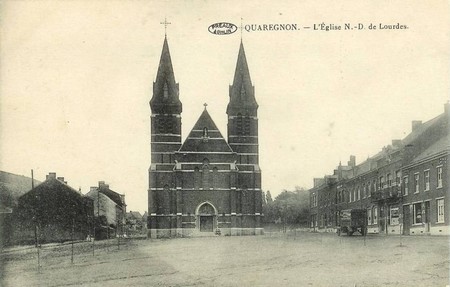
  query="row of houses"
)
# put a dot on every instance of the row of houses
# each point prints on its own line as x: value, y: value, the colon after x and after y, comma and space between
x: 404, y: 188
x: 52, y: 211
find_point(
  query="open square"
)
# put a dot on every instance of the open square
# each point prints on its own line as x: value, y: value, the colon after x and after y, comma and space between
x: 275, y: 259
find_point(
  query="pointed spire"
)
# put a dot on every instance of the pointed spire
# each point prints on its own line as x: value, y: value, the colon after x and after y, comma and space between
x: 165, y: 88
x: 242, y: 92
x: 242, y: 74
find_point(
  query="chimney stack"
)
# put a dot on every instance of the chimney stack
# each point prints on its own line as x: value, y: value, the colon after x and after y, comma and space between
x: 92, y: 188
x: 352, y: 161
x: 51, y: 175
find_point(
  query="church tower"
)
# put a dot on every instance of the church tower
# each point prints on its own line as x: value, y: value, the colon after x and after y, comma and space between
x: 242, y: 114
x: 165, y: 121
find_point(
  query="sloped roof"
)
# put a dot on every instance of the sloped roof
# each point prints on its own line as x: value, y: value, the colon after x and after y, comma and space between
x: 116, y: 197
x: 420, y: 129
x: 441, y: 145
x: 205, y: 137
x: 54, y: 185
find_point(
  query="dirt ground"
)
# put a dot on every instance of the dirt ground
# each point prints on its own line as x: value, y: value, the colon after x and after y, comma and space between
x: 275, y: 259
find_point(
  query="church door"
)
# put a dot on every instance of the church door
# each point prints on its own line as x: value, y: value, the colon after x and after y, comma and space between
x: 206, y: 223
x: 206, y: 216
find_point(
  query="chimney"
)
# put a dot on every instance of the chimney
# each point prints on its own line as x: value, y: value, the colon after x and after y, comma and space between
x: 92, y: 188
x: 103, y: 184
x: 61, y: 178
x: 396, y: 143
x: 352, y: 161
x: 416, y: 124
x: 51, y: 175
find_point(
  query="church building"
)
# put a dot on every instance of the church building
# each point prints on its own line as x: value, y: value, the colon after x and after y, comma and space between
x: 205, y: 185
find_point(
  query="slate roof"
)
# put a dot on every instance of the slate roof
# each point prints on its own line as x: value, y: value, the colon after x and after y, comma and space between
x: 212, y: 141
x: 116, y: 197
x: 441, y: 145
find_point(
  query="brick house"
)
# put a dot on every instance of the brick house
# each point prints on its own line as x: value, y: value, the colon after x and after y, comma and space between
x: 206, y: 184
x: 403, y: 188
x: 109, y: 210
x: 56, y: 209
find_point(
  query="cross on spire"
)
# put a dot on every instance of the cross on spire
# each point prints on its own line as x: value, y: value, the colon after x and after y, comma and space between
x: 205, y: 105
x: 165, y: 23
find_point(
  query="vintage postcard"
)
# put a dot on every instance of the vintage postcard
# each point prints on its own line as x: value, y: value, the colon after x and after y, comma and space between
x: 224, y: 143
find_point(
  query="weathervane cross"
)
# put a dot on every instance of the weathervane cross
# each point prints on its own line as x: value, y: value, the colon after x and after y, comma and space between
x: 205, y: 105
x: 165, y: 23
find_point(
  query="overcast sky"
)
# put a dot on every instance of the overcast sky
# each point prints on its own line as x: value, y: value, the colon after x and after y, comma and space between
x: 76, y: 80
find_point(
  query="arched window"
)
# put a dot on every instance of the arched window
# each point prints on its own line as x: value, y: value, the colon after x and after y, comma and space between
x: 197, y: 178
x: 205, y: 132
x: 205, y: 177
x: 215, y: 175
x: 247, y: 125
x: 239, y: 124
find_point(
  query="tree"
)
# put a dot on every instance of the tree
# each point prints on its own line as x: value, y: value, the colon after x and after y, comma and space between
x: 268, y: 197
x: 289, y: 207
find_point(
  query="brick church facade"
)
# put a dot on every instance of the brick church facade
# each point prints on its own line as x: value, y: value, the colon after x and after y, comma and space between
x: 205, y: 185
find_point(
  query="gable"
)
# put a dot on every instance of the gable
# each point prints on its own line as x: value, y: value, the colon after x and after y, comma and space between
x: 205, y: 137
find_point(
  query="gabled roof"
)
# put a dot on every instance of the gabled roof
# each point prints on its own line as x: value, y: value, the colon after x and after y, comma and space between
x: 53, y: 185
x: 116, y: 197
x: 205, y: 137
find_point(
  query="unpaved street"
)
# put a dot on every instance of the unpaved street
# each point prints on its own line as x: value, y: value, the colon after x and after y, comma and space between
x: 275, y: 259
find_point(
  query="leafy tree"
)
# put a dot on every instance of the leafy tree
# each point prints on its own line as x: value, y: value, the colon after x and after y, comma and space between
x: 289, y: 207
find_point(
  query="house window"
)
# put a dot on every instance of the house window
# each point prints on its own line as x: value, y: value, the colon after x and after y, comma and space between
x: 397, y: 177
x: 405, y: 185
x: 381, y: 182
x: 417, y: 213
x: 426, y: 180
x: 375, y: 215
x: 374, y: 185
x: 369, y: 216
x: 440, y: 210
x: 439, y: 176
x: 389, y: 179
x: 358, y: 195
x: 369, y: 189
x: 416, y: 183
x: 394, y: 216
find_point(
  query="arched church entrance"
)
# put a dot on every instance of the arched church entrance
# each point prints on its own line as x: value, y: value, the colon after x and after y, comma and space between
x: 206, y: 217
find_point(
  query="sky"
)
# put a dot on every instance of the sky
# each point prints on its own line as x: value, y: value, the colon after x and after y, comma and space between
x: 76, y: 81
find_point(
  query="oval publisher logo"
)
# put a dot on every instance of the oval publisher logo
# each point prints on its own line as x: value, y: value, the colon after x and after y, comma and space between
x: 222, y: 28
